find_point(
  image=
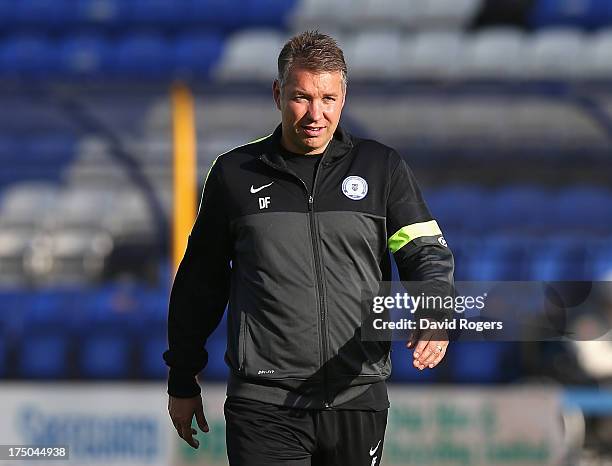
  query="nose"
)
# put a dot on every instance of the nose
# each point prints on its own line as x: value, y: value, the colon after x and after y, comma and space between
x: 315, y: 110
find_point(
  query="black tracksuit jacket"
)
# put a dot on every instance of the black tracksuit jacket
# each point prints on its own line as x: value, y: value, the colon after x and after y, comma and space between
x: 293, y: 266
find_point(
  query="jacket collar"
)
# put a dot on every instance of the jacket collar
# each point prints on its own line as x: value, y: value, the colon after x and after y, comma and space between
x: 339, y: 146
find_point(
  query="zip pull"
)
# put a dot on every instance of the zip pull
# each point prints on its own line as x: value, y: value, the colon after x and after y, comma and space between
x: 310, y: 202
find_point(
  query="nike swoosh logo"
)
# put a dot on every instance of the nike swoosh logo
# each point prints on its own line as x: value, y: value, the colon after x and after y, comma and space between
x: 373, y: 451
x: 256, y: 190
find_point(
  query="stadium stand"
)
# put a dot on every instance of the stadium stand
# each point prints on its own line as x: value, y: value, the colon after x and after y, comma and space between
x: 487, y: 111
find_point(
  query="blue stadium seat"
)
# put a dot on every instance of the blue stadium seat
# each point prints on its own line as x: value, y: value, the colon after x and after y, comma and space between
x: 143, y: 56
x: 8, y: 148
x: 197, y: 53
x: 157, y: 13
x: 601, y: 261
x: 584, y: 13
x: 27, y: 54
x: 273, y: 13
x: 84, y: 55
x: 217, y: 15
x: 44, y: 354
x: 586, y: 209
x: 43, y: 14
x: 466, y: 250
x: 54, y: 149
x: 501, y: 257
x: 561, y: 258
x: 152, y: 346
x: 112, y: 308
x: 459, y: 208
x: 477, y: 362
x: 520, y: 208
x: 8, y: 12
x: 101, y: 12
x: 105, y: 355
x: 3, y: 353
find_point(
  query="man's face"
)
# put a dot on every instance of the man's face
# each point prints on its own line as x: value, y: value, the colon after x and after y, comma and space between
x: 310, y: 105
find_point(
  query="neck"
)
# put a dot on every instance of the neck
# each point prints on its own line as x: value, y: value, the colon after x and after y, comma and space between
x: 303, y: 151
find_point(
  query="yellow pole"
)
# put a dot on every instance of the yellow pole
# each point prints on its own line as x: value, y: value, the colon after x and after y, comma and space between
x: 184, y: 170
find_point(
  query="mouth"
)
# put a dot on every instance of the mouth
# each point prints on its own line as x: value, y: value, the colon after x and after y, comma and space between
x: 313, y: 131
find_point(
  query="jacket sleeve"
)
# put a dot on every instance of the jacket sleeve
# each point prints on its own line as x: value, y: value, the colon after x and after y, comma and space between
x: 415, y: 239
x: 200, y: 291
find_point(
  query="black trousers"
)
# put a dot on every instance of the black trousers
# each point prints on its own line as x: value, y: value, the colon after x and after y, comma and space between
x: 259, y: 434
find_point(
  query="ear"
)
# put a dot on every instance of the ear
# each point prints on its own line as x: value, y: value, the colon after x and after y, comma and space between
x: 276, y: 91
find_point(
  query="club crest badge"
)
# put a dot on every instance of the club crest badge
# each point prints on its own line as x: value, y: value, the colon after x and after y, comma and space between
x: 355, y: 187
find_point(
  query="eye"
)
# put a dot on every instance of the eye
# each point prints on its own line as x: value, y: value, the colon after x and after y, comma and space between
x: 329, y: 99
x: 299, y: 98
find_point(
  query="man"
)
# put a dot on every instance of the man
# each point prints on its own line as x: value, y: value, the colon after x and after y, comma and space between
x: 307, y: 217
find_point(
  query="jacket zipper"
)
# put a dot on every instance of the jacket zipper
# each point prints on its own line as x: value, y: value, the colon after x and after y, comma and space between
x: 322, y: 307
x: 318, y: 272
x: 243, y: 342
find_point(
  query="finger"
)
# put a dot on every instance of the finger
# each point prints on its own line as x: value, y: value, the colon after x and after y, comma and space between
x: 427, y: 353
x: 438, y: 359
x: 186, y: 433
x: 201, y: 419
x: 421, y: 345
x: 412, y: 339
x: 435, y: 351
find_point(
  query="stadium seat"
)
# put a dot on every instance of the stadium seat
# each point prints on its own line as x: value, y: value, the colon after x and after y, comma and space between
x: 477, y: 362
x: 217, y: 15
x: 521, y: 209
x: 443, y: 204
x: 197, y: 53
x: 431, y: 55
x: 598, y: 64
x: 374, y: 55
x: 143, y: 56
x: 601, y: 261
x: 8, y: 149
x: 499, y: 258
x: 494, y: 53
x: 585, y: 209
x: 43, y: 14
x: 250, y: 56
x: 556, y: 54
x: 24, y: 204
x: 581, y: 14
x: 71, y: 256
x: 327, y: 16
x: 389, y: 14
x: 157, y: 13
x: 442, y: 14
x: 29, y: 55
x: 50, y: 151
x: 74, y: 208
x: 105, y: 355
x: 268, y: 13
x: 44, y: 354
x: 152, y: 348
x: 4, y: 349
x: 561, y: 258
x: 84, y: 55
x: 101, y: 12
x: 15, y: 245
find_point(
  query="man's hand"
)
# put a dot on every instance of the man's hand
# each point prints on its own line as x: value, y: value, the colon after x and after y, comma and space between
x: 181, y: 412
x: 430, y: 348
